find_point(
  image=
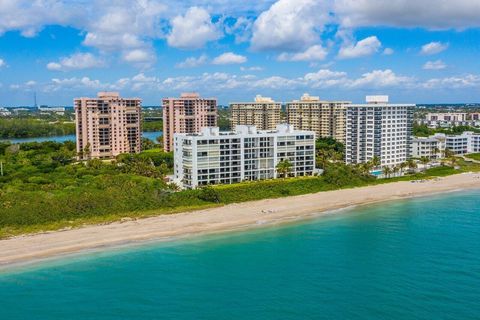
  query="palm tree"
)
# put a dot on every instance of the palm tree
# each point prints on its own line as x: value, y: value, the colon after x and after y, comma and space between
x: 396, y: 169
x: 284, y: 167
x: 453, y: 160
x: 436, y: 151
x: 376, y: 161
x: 412, y: 164
x: 323, y: 156
x: 424, y: 161
x: 86, y: 151
x: 402, y: 166
x: 366, y: 167
x: 386, y: 171
x: 448, y: 153
x: 338, y: 156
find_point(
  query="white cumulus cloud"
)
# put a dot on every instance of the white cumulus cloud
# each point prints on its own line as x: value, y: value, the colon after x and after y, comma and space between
x: 192, y: 62
x: 140, y: 57
x: 388, y: 51
x: 455, y: 82
x: 314, y: 53
x: 229, y: 58
x: 381, y: 78
x: 193, y: 30
x: 75, y: 62
x: 434, y: 65
x: 2, y: 63
x: 290, y: 25
x: 433, y: 48
x: 365, y: 47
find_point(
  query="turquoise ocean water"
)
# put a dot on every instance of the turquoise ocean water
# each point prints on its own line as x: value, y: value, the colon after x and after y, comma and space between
x: 409, y: 259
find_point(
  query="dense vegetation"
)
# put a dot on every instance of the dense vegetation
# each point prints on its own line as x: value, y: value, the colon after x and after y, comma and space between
x: 35, y: 124
x: 328, y: 150
x: 43, y: 188
x: 151, y: 126
x: 27, y: 128
x: 224, y: 119
x: 422, y: 130
x: 41, y: 184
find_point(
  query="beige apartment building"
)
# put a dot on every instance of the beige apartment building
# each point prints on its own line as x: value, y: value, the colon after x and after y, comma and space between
x: 325, y: 118
x: 187, y: 114
x: 107, y: 125
x: 263, y: 113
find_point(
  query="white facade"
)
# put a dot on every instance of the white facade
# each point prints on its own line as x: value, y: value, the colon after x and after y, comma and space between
x: 467, y: 142
x: 431, y: 147
x: 214, y: 157
x: 4, y: 112
x: 379, y: 129
x: 51, y: 109
x: 452, y: 116
x: 450, y: 119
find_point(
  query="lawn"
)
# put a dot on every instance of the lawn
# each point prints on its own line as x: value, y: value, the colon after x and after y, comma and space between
x: 474, y: 156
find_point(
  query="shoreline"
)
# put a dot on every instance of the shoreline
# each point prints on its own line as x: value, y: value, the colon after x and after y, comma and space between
x: 28, y: 249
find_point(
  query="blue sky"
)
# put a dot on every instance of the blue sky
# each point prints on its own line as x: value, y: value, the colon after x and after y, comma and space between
x: 415, y: 51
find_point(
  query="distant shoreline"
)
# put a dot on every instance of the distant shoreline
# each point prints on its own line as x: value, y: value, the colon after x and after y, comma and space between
x: 268, y: 212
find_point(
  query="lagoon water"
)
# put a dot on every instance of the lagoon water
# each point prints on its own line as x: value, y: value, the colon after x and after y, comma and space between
x: 150, y: 135
x: 409, y: 259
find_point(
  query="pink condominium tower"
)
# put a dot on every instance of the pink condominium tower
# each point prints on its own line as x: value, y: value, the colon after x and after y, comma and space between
x: 107, y: 125
x: 187, y: 114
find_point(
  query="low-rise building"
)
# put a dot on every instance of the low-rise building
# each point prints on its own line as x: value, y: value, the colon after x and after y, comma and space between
x: 467, y: 142
x: 444, y: 116
x: 48, y: 110
x: 432, y: 147
x: 214, y: 157
x: 450, y: 119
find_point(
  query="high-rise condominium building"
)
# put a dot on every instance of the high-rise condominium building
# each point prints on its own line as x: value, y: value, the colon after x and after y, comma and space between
x: 214, y: 157
x: 107, y: 125
x: 379, y: 129
x: 187, y: 114
x: 326, y: 118
x: 264, y: 113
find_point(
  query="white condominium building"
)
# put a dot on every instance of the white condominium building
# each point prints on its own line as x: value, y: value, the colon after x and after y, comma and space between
x: 447, y: 117
x: 214, y: 157
x: 380, y: 129
x: 264, y: 113
x: 450, y: 119
x: 435, y: 146
x: 325, y: 118
x: 431, y: 147
x: 467, y: 142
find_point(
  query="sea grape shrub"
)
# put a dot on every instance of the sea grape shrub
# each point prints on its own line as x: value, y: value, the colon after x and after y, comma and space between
x: 209, y: 194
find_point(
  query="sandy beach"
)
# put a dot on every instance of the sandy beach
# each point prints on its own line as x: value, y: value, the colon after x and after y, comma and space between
x: 30, y: 248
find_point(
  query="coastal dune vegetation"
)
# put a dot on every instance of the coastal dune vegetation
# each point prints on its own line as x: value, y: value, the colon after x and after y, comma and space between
x: 43, y: 187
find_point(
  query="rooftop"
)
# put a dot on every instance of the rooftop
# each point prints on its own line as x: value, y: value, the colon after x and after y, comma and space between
x: 246, y: 130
